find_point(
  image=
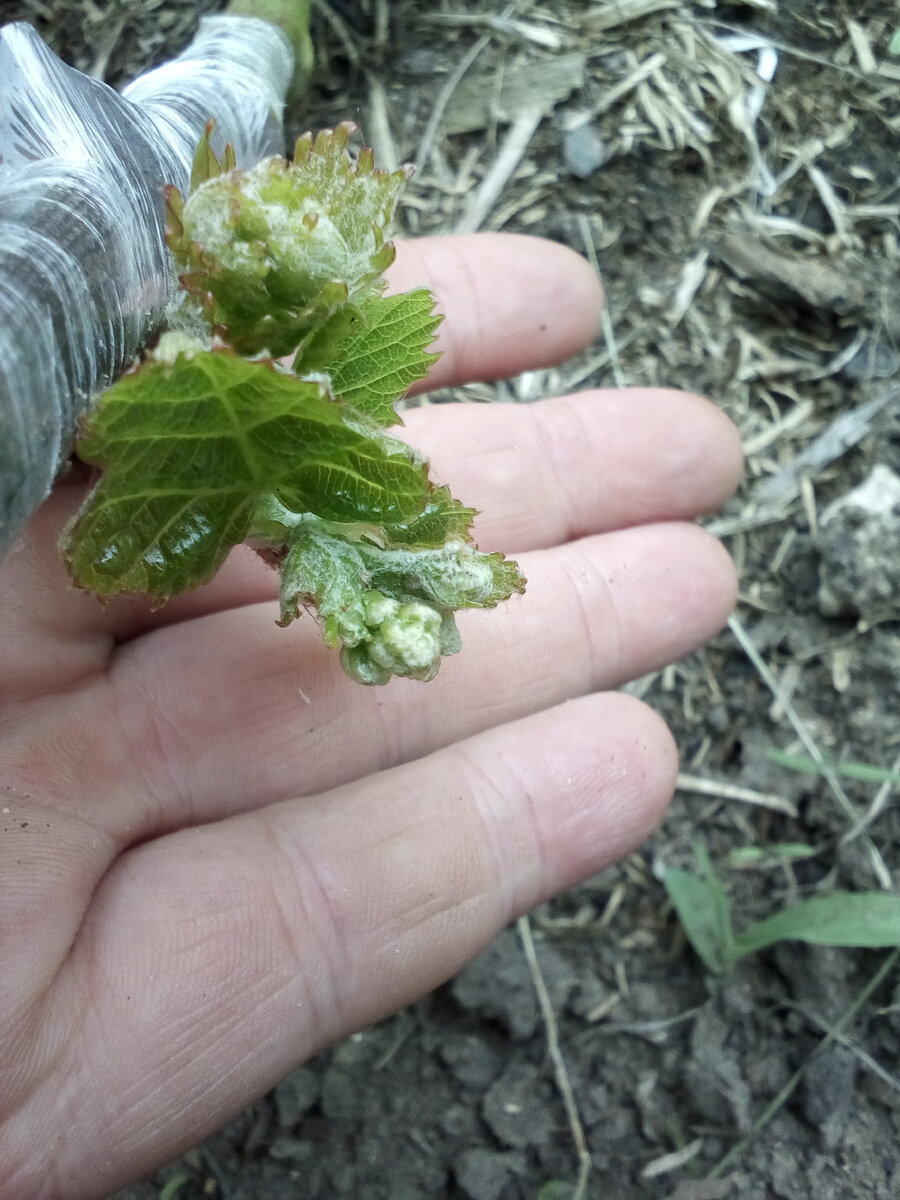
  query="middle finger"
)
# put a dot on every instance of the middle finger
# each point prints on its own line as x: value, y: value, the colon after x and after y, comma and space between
x: 226, y: 713
x: 540, y: 475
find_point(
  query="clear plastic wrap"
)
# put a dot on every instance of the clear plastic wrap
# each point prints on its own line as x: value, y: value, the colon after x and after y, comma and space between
x: 83, y: 269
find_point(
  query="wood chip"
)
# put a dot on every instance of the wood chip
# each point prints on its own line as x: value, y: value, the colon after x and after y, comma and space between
x: 478, y: 103
x: 623, y: 12
x: 819, y: 285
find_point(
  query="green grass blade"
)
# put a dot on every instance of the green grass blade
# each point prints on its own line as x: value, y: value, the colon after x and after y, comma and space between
x: 864, y: 772
x: 173, y: 1185
x: 556, y: 1189
x: 704, y: 913
x: 777, y: 853
x: 867, y: 919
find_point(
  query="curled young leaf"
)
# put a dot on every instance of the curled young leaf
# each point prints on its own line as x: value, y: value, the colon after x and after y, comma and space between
x: 390, y: 609
x: 273, y: 252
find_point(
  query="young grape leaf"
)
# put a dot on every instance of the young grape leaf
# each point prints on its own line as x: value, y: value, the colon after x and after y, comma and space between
x: 274, y: 251
x: 378, y: 354
x: 442, y: 520
x: 190, y: 448
x: 207, y: 165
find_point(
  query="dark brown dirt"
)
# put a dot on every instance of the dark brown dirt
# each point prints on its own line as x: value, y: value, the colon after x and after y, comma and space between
x: 456, y: 1096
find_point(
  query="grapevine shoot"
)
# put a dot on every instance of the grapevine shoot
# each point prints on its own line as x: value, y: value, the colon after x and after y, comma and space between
x: 260, y: 416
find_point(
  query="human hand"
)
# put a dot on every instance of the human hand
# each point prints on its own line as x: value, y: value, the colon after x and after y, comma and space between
x: 218, y: 855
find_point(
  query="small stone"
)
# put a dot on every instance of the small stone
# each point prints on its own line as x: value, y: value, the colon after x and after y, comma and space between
x: 460, y: 1122
x: 589, y: 994
x: 713, y: 1075
x: 482, y: 1174
x: 342, y: 1099
x: 876, y: 360
x: 719, y: 718
x: 295, y: 1096
x: 584, y: 150
x: 515, y: 1110
x: 498, y: 984
x: 595, y: 1104
x: 291, y: 1149
x: 829, y: 1086
x: 859, y: 541
x: 471, y: 1060
x: 420, y: 61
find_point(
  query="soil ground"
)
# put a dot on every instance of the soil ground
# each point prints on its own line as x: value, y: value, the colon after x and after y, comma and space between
x: 734, y: 170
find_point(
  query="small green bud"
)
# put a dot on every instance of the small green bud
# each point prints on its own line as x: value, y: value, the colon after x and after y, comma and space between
x: 407, y: 637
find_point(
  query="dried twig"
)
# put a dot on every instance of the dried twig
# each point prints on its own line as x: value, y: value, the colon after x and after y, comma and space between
x: 732, y: 791
x: 844, y: 432
x: 512, y: 150
x: 560, y: 1071
x: 825, y: 768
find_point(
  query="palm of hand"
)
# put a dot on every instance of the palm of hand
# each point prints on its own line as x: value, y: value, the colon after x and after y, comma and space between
x: 217, y: 855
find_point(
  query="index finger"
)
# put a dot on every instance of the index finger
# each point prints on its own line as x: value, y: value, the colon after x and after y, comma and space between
x: 512, y: 303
